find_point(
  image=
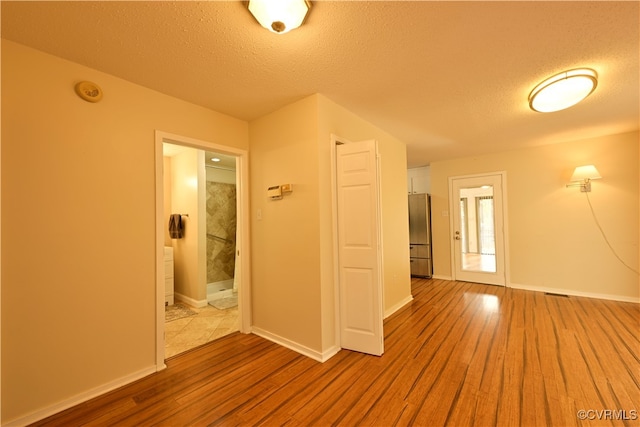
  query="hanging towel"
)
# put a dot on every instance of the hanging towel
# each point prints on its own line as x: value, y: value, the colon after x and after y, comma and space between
x: 176, y: 230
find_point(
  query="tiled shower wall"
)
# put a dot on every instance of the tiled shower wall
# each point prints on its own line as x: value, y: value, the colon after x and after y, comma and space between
x: 221, y: 231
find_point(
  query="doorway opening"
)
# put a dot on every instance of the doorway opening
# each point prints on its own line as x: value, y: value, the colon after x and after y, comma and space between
x: 203, y: 286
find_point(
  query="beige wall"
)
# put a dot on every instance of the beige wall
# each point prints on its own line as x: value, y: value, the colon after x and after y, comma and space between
x: 166, y: 188
x: 553, y: 240
x: 187, y: 196
x: 285, y: 243
x: 78, y: 231
x: 292, y: 245
x: 220, y: 175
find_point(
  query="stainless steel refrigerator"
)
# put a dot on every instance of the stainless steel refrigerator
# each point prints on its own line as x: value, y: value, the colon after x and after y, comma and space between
x: 420, y: 235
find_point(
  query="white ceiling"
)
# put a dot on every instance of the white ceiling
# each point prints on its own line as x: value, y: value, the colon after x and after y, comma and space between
x: 451, y: 79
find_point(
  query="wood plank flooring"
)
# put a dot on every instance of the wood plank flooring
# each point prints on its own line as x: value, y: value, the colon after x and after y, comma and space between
x: 460, y: 354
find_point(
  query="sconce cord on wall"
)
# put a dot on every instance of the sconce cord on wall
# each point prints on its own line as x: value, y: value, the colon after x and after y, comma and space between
x: 607, y: 240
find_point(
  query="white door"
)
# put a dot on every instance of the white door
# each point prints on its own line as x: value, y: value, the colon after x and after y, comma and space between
x: 359, y: 250
x: 478, y: 228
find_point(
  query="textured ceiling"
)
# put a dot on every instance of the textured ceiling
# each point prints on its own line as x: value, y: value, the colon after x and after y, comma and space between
x: 450, y: 79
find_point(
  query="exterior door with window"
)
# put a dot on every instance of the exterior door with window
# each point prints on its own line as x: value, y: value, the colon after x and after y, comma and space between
x: 478, y: 248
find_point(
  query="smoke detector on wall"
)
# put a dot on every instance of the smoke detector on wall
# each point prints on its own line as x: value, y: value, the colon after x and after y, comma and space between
x: 89, y: 91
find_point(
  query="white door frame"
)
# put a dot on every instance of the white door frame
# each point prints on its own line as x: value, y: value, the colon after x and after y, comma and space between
x: 453, y: 205
x: 244, y: 290
x: 334, y: 141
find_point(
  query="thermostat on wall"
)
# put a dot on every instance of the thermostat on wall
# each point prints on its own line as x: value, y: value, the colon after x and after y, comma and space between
x: 274, y: 192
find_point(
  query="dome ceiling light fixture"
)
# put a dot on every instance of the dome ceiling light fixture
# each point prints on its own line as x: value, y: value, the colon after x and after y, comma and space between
x: 279, y: 16
x: 563, y: 90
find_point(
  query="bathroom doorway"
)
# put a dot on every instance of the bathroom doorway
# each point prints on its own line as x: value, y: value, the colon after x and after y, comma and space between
x: 202, y: 185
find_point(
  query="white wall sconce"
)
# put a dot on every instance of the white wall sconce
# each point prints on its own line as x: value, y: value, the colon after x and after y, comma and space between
x: 563, y: 90
x: 279, y: 16
x: 582, y: 177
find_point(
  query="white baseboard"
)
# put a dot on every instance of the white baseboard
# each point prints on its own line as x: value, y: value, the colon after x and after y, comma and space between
x: 575, y: 293
x: 298, y: 348
x: 192, y: 302
x: 398, y: 306
x: 328, y: 354
x: 439, y: 277
x: 79, y: 398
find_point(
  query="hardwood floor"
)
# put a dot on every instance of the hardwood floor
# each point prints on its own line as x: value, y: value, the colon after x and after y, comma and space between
x: 460, y: 354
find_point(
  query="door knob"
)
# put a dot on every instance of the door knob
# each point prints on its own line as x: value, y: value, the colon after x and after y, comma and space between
x: 457, y: 237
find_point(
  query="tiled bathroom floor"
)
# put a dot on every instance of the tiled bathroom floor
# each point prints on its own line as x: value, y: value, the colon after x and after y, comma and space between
x: 190, y: 332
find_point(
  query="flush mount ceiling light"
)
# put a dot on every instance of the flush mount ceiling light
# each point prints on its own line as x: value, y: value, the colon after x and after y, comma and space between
x: 279, y: 16
x: 563, y: 90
